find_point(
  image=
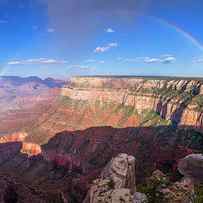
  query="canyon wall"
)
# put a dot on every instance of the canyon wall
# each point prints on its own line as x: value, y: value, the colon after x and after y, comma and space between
x: 179, y: 101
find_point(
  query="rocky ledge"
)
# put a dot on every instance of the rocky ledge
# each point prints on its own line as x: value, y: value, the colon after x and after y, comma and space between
x: 117, y: 185
x: 115, y: 162
x: 177, y: 100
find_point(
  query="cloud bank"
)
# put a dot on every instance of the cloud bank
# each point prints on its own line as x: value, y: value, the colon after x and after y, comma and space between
x: 37, y: 61
x: 164, y: 59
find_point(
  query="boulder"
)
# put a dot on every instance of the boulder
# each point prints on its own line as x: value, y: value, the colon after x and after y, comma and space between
x: 192, y: 167
x: 121, y: 170
x: 117, y: 182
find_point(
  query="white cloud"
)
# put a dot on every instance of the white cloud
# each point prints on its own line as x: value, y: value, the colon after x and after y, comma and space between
x: 51, y: 30
x: 151, y: 60
x: 168, y: 59
x: 101, y: 49
x: 37, y: 61
x: 110, y: 30
x: 164, y: 59
x: 14, y: 62
x: 106, y: 48
x: 113, y: 44
x: 198, y: 60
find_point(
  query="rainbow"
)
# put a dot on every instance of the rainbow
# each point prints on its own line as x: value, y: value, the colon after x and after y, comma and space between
x: 179, y: 30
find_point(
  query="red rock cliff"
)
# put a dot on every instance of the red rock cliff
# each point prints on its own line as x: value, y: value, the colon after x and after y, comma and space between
x: 177, y: 100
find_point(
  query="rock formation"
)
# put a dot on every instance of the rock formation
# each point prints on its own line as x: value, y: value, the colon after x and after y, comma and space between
x: 70, y: 161
x: 175, y: 100
x: 192, y: 167
x: 43, y: 111
x: 15, y: 137
x: 66, y: 165
x: 31, y: 149
x: 121, y: 170
x: 117, y: 183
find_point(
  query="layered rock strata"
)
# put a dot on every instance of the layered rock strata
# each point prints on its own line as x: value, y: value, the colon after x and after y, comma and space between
x: 178, y: 100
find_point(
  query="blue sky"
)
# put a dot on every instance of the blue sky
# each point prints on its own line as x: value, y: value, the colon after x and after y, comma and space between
x: 60, y: 38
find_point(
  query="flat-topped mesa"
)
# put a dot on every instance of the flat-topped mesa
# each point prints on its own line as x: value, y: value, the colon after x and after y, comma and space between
x: 176, y: 100
x: 133, y: 83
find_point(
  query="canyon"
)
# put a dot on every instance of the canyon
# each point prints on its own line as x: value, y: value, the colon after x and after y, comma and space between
x: 62, y: 142
x: 173, y: 99
x: 119, y: 102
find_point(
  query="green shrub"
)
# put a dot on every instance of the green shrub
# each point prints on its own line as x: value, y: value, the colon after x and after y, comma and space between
x: 198, y: 194
x: 152, y: 188
x: 199, y: 102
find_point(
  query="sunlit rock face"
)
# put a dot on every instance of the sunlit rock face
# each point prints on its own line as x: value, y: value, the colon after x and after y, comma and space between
x: 103, y: 101
x: 31, y: 149
x: 175, y: 100
x: 15, y: 137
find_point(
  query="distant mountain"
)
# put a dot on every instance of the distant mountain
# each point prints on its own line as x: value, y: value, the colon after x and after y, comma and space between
x: 17, y: 81
x: 22, y: 94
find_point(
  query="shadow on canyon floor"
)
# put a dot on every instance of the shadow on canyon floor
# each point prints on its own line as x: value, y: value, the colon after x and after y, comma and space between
x: 70, y: 161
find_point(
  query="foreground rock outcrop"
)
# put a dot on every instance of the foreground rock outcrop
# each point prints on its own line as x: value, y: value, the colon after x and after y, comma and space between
x: 111, y: 187
x: 71, y: 161
x: 117, y: 183
x: 121, y: 170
